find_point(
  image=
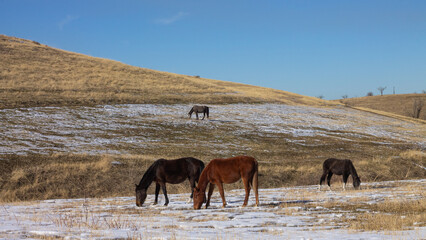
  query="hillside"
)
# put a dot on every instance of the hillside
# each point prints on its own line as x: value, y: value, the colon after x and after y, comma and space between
x: 33, y: 74
x: 400, y: 104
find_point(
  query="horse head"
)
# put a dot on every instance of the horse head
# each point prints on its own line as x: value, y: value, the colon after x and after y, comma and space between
x: 199, y: 198
x: 357, y: 182
x: 140, y: 196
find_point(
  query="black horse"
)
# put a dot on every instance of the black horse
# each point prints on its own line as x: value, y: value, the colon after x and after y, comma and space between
x: 164, y: 171
x: 199, y: 109
x: 339, y: 167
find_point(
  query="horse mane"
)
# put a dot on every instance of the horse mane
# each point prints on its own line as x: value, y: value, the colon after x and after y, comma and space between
x: 148, y: 177
x: 203, y: 179
x: 353, y: 170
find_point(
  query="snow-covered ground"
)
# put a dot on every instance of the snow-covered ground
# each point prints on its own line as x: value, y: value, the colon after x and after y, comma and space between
x: 286, y: 213
x: 105, y: 129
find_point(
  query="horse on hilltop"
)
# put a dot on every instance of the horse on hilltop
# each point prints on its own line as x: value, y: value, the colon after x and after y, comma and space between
x: 199, y: 109
x: 229, y: 170
x: 164, y: 171
x: 339, y: 167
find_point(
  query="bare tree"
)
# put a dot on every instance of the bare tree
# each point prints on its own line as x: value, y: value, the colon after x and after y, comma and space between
x: 320, y: 97
x: 381, y: 89
x: 345, y: 96
x: 417, y: 107
x: 369, y: 94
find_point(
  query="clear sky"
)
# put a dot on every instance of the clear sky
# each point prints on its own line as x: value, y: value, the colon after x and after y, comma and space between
x: 315, y: 48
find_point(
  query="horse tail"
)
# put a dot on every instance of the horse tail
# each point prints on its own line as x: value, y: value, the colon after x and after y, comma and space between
x: 254, y: 182
x: 207, y: 112
x: 201, y: 168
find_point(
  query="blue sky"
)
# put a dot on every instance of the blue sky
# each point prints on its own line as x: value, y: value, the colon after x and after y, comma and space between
x: 315, y: 48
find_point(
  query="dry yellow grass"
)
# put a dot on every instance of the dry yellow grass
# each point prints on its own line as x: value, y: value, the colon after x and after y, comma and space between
x: 33, y: 74
x: 397, y: 105
x: 391, y: 215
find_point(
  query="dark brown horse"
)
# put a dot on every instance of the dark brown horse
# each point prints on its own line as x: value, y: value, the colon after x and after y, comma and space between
x: 199, y: 109
x: 339, y: 167
x: 229, y: 170
x: 165, y: 171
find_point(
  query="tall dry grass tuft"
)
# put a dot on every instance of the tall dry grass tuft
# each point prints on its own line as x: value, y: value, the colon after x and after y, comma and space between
x: 391, y: 215
x: 416, y: 155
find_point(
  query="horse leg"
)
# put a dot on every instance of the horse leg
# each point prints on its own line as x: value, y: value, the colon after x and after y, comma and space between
x: 192, y: 183
x: 345, y: 180
x: 324, y: 175
x: 163, y: 186
x: 204, y: 115
x: 196, y: 114
x: 222, y: 194
x: 247, y: 188
x: 157, y: 191
x: 330, y: 174
x: 209, y: 195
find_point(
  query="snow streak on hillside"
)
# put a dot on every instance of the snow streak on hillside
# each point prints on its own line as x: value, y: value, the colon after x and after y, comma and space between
x: 103, y: 129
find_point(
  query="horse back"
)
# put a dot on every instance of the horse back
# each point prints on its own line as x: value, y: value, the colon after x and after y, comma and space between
x: 230, y: 170
x: 337, y: 166
x: 172, y: 171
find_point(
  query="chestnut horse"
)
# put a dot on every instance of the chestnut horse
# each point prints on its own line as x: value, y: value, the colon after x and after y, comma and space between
x: 339, y: 167
x: 165, y: 171
x: 229, y: 170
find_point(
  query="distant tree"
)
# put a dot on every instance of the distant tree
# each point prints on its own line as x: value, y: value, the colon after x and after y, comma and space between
x: 417, y: 108
x: 381, y: 89
x: 369, y: 94
x: 345, y: 96
x: 424, y: 91
x: 320, y: 97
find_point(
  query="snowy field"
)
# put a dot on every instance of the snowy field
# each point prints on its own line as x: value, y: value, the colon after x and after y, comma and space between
x: 116, y: 129
x: 286, y: 213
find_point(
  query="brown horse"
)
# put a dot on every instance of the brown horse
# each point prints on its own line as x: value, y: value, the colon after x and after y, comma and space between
x: 339, y: 167
x: 229, y: 170
x: 199, y: 109
x: 165, y: 171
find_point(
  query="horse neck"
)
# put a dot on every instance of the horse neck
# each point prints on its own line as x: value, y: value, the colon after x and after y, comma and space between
x: 203, y: 180
x: 191, y: 111
x: 148, y: 177
x: 353, y: 171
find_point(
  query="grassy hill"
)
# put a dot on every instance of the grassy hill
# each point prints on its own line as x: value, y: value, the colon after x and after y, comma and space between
x: 400, y: 104
x: 75, y: 151
x: 33, y: 74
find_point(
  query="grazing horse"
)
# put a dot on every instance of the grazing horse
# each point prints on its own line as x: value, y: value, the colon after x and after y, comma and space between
x: 339, y: 167
x: 165, y: 171
x: 199, y: 109
x: 230, y: 170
